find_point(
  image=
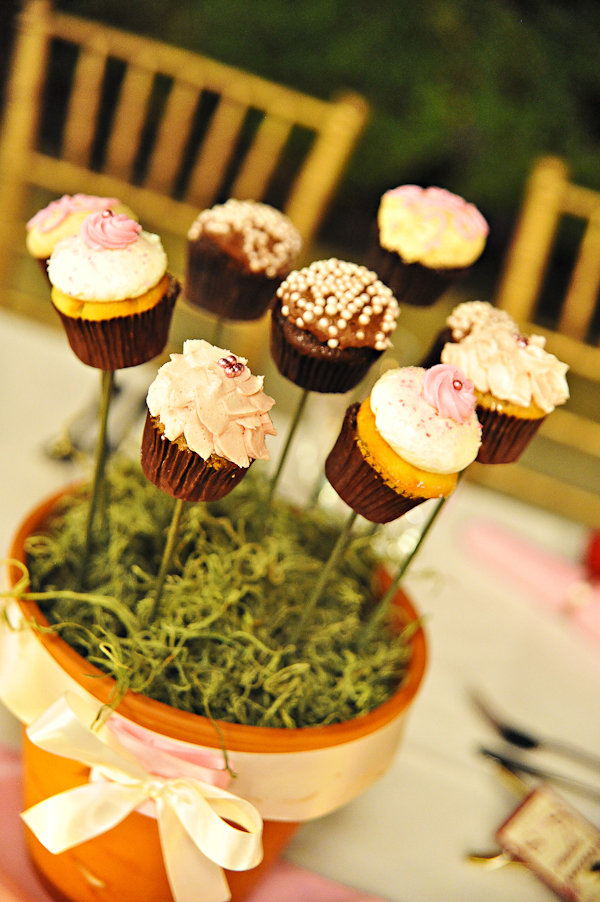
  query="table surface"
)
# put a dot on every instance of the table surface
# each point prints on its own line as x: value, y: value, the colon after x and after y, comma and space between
x: 405, y: 838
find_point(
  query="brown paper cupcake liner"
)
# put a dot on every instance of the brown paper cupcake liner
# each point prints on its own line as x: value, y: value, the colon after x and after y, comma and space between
x: 181, y: 472
x: 312, y: 365
x: 357, y: 483
x: 219, y: 284
x: 122, y: 341
x: 504, y: 437
x: 412, y: 283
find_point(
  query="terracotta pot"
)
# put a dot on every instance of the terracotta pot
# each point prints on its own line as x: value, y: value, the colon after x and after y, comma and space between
x: 126, y: 863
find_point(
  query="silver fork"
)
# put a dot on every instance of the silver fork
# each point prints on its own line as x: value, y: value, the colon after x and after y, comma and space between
x: 524, y: 739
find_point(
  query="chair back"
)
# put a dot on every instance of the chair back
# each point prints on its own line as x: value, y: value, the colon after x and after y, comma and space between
x: 550, y: 284
x: 97, y: 110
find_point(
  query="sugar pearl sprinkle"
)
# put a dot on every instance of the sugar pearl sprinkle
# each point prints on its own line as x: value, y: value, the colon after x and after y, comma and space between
x: 268, y: 239
x: 231, y: 366
x: 342, y: 304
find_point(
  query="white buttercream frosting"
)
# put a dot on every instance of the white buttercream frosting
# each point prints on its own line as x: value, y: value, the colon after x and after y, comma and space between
x: 472, y: 315
x: 512, y: 367
x: 416, y: 430
x: 107, y: 274
x: 209, y: 397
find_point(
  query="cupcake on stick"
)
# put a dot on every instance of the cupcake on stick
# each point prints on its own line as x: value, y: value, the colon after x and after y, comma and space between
x: 237, y: 255
x: 207, y: 421
x: 424, y: 240
x: 63, y: 217
x: 517, y: 384
x: 330, y: 322
x: 406, y: 443
x: 112, y: 292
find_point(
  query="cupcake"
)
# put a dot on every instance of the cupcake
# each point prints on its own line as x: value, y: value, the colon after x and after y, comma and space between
x: 237, y: 255
x: 406, y: 443
x: 63, y: 217
x: 464, y: 319
x: 423, y: 241
x: 206, y: 423
x: 112, y: 292
x: 330, y: 322
x: 517, y: 384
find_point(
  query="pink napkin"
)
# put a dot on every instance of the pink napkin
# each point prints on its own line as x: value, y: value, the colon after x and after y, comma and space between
x: 19, y: 882
x: 551, y: 580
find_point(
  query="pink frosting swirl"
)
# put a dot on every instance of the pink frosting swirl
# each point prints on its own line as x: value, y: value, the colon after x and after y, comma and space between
x: 446, y: 388
x: 106, y: 230
x: 57, y: 210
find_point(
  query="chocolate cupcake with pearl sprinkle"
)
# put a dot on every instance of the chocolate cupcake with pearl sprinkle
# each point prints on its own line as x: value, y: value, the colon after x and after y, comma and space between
x: 238, y: 253
x: 330, y: 322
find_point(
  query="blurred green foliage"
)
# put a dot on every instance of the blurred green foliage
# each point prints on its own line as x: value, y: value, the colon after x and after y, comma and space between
x: 464, y: 93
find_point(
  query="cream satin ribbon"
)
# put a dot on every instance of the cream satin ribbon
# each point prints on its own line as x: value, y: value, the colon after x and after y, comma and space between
x: 196, y: 840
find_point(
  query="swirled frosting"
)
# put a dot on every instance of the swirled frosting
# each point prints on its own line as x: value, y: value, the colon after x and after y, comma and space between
x: 513, y: 368
x: 209, y: 397
x: 472, y: 315
x: 419, y: 431
x: 110, y: 259
x: 431, y: 226
x: 448, y: 390
x: 63, y: 217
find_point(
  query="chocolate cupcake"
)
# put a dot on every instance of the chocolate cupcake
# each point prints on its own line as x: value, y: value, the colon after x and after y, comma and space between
x: 206, y: 423
x: 465, y: 318
x: 238, y: 253
x: 63, y: 217
x: 406, y: 443
x: 517, y: 384
x: 330, y: 322
x: 112, y: 292
x: 423, y: 241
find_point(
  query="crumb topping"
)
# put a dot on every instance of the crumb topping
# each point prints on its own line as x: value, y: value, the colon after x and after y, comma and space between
x: 342, y: 304
x: 265, y: 237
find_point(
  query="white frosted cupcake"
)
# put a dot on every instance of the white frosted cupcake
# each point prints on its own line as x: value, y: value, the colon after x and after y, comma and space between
x: 111, y: 289
x: 517, y: 384
x: 424, y: 240
x: 207, y: 420
x: 406, y: 443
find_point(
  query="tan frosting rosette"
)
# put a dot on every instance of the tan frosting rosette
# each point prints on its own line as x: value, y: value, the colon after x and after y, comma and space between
x: 207, y: 420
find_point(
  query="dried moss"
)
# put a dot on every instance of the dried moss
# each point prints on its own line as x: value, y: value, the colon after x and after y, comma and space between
x: 240, y: 575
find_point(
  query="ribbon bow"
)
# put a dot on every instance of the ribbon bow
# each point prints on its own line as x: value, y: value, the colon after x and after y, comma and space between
x: 197, y: 840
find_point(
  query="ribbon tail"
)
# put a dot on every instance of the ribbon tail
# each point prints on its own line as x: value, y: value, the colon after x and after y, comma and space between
x: 76, y: 815
x: 189, y: 871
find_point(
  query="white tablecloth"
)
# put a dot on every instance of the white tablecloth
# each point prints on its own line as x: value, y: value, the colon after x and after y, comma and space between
x: 407, y: 836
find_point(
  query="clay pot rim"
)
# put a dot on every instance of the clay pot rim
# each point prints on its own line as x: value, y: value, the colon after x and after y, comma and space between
x: 188, y: 727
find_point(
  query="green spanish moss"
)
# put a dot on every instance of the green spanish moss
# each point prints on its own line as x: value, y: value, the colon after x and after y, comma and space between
x: 224, y: 645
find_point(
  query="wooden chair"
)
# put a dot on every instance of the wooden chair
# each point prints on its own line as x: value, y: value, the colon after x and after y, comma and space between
x: 561, y: 470
x: 93, y: 109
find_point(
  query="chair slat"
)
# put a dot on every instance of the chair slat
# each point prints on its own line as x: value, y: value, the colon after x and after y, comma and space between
x: 175, y: 127
x: 261, y: 160
x: 216, y: 152
x: 578, y: 308
x: 82, y: 115
x: 130, y: 114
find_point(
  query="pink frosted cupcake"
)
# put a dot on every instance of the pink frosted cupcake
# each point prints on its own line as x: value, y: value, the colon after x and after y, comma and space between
x: 424, y: 240
x: 113, y: 294
x: 207, y: 420
x: 517, y: 384
x: 63, y: 217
